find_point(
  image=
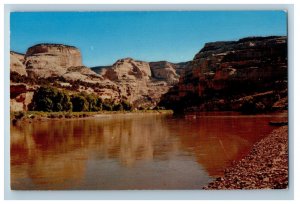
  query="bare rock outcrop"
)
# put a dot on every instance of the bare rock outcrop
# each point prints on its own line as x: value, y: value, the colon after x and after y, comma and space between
x: 17, y: 63
x: 135, y: 82
x: 223, y: 72
x: 53, y: 60
x: 48, y: 60
x: 128, y: 69
x: 20, y: 96
x: 82, y: 73
x: 164, y: 71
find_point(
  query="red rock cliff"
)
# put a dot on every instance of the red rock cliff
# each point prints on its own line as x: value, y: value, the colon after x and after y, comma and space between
x: 224, y: 72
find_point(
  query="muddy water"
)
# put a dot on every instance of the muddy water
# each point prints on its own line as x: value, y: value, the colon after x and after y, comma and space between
x: 131, y: 151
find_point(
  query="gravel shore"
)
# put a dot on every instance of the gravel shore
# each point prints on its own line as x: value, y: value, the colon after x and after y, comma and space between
x: 265, y: 167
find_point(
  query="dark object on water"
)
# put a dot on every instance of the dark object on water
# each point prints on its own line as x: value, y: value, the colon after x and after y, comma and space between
x: 278, y: 123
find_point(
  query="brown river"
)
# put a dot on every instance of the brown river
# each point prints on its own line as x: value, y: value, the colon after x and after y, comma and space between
x: 131, y: 151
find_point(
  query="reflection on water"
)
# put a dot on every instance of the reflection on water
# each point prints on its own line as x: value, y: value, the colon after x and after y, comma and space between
x: 130, y: 151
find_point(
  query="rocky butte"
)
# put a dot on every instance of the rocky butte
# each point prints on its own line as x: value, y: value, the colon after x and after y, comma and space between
x: 248, y: 75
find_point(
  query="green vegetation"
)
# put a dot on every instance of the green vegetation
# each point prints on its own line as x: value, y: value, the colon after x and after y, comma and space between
x: 29, y: 116
x: 53, y: 103
x: 79, y: 103
x: 50, y: 99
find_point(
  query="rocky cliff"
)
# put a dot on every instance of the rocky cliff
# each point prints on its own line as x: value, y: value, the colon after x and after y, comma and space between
x: 234, y: 75
x: 135, y: 82
x: 138, y: 82
x: 160, y: 71
x: 165, y: 71
x: 248, y: 74
x: 17, y: 63
x: 127, y: 69
x: 20, y: 96
x: 46, y: 60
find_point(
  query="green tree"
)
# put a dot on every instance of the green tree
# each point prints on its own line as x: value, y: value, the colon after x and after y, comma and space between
x: 50, y: 99
x: 92, y: 100
x: 79, y: 103
x: 99, y: 104
x: 126, y: 106
x: 106, y: 106
x: 62, y: 102
x: 117, y: 107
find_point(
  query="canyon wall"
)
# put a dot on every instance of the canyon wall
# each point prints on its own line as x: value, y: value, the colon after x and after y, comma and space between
x: 250, y: 73
x: 245, y: 75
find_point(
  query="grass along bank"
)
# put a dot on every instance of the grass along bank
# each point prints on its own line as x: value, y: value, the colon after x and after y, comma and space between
x: 30, y: 116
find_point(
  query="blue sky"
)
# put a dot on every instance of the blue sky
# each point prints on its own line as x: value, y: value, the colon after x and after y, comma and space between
x: 104, y: 37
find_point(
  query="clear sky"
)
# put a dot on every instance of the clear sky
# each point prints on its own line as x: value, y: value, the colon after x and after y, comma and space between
x: 104, y: 37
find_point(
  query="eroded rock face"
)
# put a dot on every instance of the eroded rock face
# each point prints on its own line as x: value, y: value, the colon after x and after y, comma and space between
x: 20, y: 97
x: 127, y: 69
x: 225, y: 71
x: 127, y: 79
x: 17, y: 63
x: 165, y: 71
x: 48, y: 60
x: 82, y: 73
x: 160, y: 71
x: 135, y: 82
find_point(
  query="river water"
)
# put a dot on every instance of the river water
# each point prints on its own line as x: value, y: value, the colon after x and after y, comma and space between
x: 131, y: 151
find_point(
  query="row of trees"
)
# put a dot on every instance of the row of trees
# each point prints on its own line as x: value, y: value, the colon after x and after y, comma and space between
x: 50, y: 99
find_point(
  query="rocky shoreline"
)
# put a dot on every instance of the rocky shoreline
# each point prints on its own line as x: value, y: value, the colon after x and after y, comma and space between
x: 265, y: 167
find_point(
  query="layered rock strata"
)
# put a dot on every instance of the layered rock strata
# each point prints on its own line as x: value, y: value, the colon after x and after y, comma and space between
x: 223, y: 74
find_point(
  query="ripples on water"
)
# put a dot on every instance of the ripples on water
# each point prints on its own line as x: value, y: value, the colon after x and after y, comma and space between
x: 131, y: 151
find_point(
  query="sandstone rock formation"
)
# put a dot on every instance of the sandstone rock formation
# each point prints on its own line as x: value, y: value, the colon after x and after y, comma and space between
x: 180, y: 67
x: 52, y: 60
x: 17, y: 63
x: 46, y: 60
x: 20, y: 96
x: 127, y: 69
x: 139, y: 82
x: 98, y: 69
x: 126, y: 80
x: 135, y: 83
x: 225, y: 72
x: 165, y: 71
x: 250, y: 73
x: 160, y: 71
x: 81, y: 73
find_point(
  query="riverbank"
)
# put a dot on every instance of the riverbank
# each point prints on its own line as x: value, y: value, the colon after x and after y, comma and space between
x: 265, y: 167
x: 31, y: 116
